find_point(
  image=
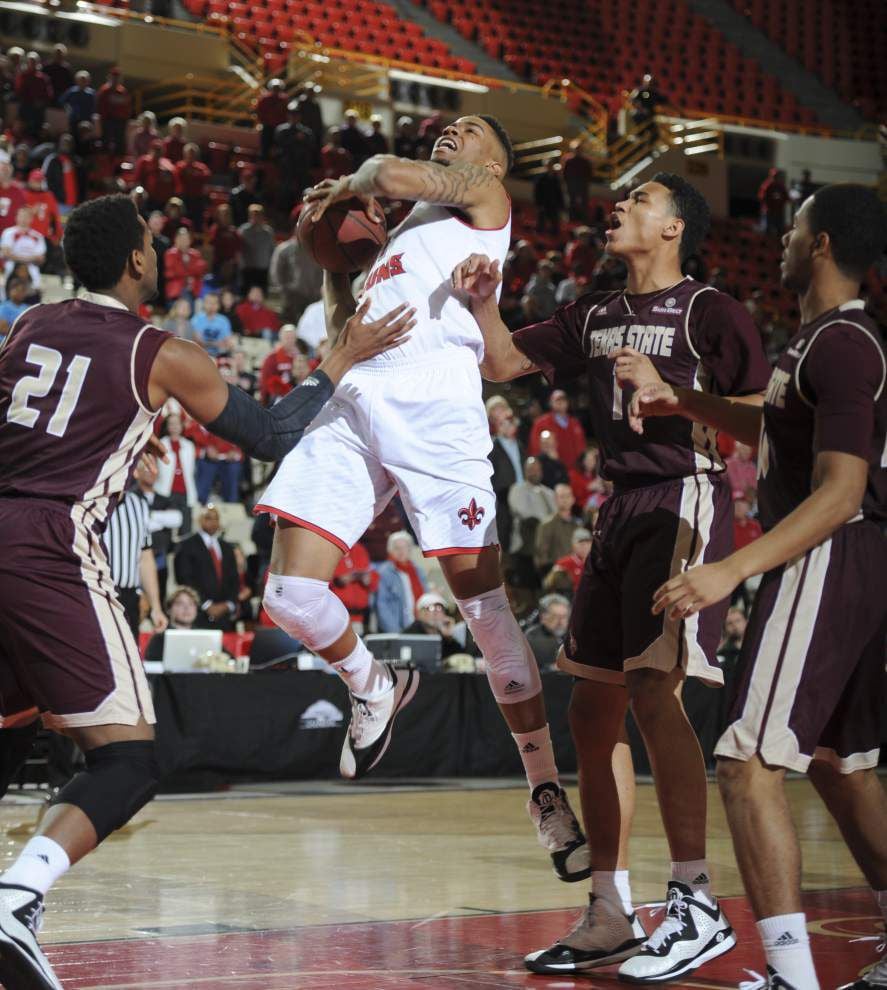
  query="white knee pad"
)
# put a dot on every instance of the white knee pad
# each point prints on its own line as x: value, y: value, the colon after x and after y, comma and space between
x: 511, y: 667
x: 306, y: 609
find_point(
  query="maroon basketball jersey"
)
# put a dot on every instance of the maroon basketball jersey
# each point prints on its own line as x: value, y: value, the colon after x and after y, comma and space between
x: 827, y: 392
x: 74, y: 408
x: 696, y: 337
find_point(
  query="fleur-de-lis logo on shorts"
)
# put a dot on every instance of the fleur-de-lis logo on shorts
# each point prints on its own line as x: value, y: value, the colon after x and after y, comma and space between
x: 472, y: 515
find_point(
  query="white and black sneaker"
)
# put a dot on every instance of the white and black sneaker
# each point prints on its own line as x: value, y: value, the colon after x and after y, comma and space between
x: 369, y: 732
x: 558, y: 831
x: 22, y: 963
x: 603, y: 935
x: 694, y: 931
x: 873, y: 979
x: 772, y: 981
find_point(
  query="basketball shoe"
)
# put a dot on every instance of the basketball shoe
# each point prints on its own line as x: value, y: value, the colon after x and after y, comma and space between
x: 602, y: 935
x: 772, y: 981
x: 369, y: 731
x: 559, y: 832
x: 693, y: 932
x: 876, y: 977
x: 22, y: 963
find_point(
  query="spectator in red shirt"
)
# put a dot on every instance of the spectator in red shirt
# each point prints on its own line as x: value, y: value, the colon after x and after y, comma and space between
x: 773, y: 196
x: 271, y: 113
x: 45, y: 208
x: 193, y: 176
x: 145, y: 134
x: 174, y: 212
x: 158, y: 176
x: 255, y: 317
x: 582, y: 253
x: 34, y: 92
x: 183, y: 268
x: 567, y: 429
x: 565, y: 574
x: 174, y: 144
x: 216, y: 460
x: 589, y: 488
x: 742, y: 470
x: 177, y: 476
x: 224, y: 240
x: 283, y: 367
x: 745, y: 528
x: 114, y: 107
x: 335, y: 161
x: 12, y: 195
x: 354, y: 580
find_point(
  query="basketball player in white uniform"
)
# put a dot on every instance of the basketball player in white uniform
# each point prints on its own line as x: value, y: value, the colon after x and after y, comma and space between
x: 414, y: 422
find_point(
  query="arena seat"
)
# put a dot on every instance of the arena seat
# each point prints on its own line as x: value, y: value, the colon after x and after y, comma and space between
x: 606, y: 46
x: 842, y: 43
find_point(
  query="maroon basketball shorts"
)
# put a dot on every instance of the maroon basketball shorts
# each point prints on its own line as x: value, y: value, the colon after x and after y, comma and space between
x: 66, y: 651
x: 644, y: 537
x: 811, y: 670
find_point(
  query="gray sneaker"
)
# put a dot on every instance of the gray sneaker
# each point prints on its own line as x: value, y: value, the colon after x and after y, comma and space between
x: 22, y: 963
x: 558, y: 831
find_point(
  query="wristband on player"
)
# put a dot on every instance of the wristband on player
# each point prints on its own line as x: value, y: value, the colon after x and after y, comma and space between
x: 270, y: 434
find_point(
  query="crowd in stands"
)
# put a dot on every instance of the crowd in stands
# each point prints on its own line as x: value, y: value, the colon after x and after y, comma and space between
x: 234, y: 279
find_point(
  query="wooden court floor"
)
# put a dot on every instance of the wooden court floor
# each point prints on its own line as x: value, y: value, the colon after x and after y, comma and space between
x: 369, y: 888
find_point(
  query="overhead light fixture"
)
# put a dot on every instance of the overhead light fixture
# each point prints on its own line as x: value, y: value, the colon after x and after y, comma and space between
x: 418, y: 77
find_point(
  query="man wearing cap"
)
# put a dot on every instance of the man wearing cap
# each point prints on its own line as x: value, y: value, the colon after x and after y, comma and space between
x: 432, y: 620
x: 567, y: 570
x: 376, y: 140
x: 567, y: 430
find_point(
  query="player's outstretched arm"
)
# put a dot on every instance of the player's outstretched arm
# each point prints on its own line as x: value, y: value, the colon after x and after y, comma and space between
x: 739, y: 415
x: 839, y: 481
x: 472, y: 188
x: 478, y: 278
x: 184, y: 371
x: 338, y: 303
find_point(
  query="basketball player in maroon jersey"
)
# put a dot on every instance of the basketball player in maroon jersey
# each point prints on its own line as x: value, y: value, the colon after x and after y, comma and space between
x: 81, y: 383
x: 812, y: 673
x: 671, y: 507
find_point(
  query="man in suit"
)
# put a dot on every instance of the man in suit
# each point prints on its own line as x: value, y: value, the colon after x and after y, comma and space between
x: 507, y: 458
x: 206, y: 562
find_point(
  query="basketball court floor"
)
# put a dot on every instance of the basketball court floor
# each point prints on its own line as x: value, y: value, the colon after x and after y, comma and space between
x: 434, y: 886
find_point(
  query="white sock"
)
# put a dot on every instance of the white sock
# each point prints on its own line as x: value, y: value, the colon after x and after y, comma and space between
x: 881, y: 898
x: 787, y: 946
x: 623, y: 885
x: 694, y: 873
x: 366, y: 678
x: 39, y: 865
x: 537, y: 756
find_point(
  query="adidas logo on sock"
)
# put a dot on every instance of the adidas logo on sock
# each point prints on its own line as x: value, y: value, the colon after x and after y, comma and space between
x: 513, y: 686
x: 701, y: 879
x: 786, y: 938
x: 530, y: 748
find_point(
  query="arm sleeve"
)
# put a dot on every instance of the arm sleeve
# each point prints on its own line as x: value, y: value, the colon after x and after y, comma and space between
x: 555, y: 345
x: 269, y: 434
x: 841, y: 375
x: 725, y: 335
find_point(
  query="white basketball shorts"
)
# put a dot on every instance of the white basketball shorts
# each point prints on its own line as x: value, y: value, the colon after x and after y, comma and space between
x: 418, y: 428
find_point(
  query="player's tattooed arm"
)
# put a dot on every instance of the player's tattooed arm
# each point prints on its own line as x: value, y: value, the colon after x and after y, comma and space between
x: 338, y: 303
x: 460, y: 184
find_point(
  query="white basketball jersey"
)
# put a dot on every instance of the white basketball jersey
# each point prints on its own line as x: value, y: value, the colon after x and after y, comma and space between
x: 416, y: 267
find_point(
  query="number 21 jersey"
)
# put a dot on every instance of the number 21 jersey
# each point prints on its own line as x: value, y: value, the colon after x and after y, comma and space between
x: 74, y: 408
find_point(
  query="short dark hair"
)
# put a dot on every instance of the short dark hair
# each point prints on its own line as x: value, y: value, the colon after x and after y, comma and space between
x: 856, y: 223
x: 690, y: 206
x: 502, y: 135
x: 100, y: 235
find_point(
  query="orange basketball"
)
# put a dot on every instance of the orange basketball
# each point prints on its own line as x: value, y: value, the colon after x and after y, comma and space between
x: 345, y: 239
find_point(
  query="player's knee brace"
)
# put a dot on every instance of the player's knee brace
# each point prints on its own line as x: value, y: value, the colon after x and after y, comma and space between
x: 511, y: 667
x: 15, y: 745
x: 306, y: 609
x: 119, y: 779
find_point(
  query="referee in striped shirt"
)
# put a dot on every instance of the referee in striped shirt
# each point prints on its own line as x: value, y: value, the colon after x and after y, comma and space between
x: 128, y: 545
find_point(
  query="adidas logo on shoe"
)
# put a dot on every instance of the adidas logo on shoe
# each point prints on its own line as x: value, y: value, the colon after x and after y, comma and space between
x: 530, y: 748
x: 786, y: 938
x: 513, y: 686
x: 701, y: 879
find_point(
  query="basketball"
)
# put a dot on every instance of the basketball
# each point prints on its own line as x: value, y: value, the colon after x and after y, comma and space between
x: 345, y: 239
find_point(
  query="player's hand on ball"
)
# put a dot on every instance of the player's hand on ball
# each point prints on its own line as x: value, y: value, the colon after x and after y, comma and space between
x: 477, y: 277
x: 651, y: 400
x: 318, y: 198
x: 363, y: 340
x: 695, y: 589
